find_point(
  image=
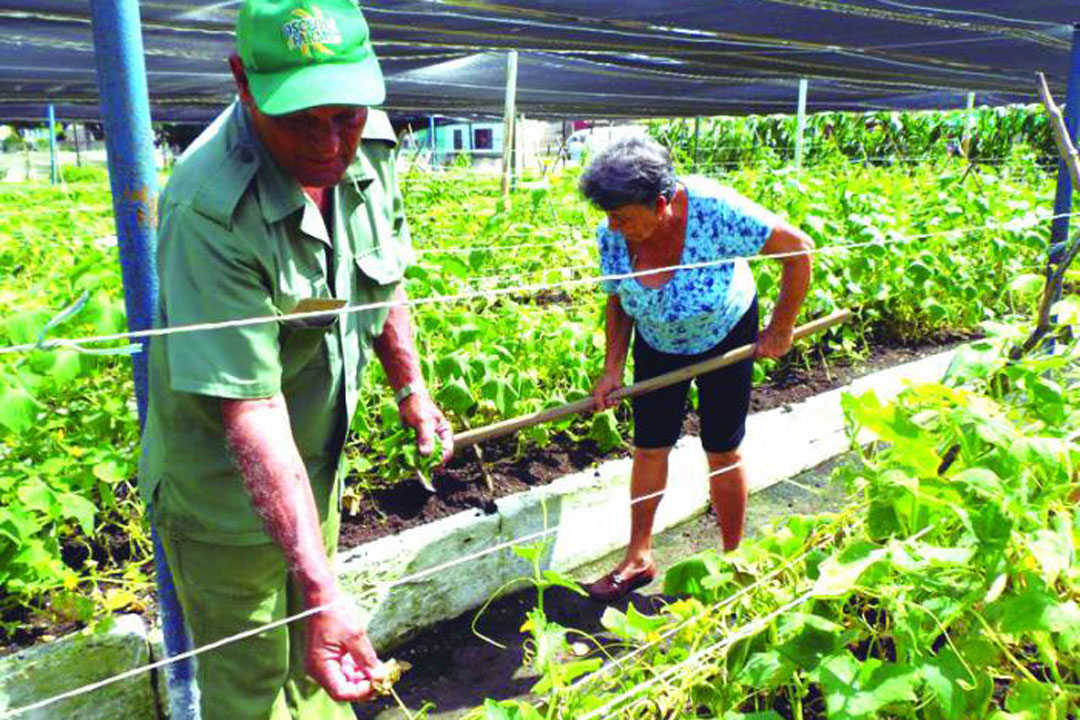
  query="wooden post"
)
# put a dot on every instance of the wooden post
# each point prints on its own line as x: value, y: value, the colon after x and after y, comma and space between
x: 800, y: 129
x: 506, y: 427
x: 508, y: 119
x: 697, y: 137
x: 969, y: 121
x: 1056, y: 273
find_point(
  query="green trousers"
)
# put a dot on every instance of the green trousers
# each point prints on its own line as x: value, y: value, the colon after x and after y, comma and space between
x: 228, y: 589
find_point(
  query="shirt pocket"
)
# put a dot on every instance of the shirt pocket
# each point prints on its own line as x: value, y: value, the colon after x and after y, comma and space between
x: 300, y: 277
x: 380, y: 253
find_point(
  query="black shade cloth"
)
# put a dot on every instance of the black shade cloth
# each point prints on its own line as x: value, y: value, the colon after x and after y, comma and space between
x: 586, y: 58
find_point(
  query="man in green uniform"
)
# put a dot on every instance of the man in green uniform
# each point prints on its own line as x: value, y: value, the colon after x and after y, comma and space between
x: 273, y: 211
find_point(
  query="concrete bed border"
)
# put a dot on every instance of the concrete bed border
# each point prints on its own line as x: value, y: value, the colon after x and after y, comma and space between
x: 589, y: 509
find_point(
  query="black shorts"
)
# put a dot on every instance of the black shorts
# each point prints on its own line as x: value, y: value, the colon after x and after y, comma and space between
x: 723, y: 395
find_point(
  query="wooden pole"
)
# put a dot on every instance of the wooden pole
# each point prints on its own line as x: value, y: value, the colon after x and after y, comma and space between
x: 507, y: 427
x: 697, y: 138
x: 965, y: 143
x: 1071, y: 161
x: 800, y: 130
x: 508, y: 119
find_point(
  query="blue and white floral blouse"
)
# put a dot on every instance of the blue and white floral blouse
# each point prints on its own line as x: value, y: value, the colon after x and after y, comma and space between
x: 698, y: 307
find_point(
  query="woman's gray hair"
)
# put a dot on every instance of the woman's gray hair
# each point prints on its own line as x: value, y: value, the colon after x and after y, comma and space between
x: 630, y: 171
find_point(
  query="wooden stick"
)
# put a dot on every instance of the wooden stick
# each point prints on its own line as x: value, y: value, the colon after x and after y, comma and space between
x: 1072, y: 163
x: 512, y: 425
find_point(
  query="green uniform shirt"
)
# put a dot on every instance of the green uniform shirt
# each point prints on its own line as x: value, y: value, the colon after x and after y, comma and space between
x: 240, y: 239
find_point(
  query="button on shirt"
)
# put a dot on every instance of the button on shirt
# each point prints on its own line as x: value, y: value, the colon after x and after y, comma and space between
x: 699, y: 306
x: 240, y: 239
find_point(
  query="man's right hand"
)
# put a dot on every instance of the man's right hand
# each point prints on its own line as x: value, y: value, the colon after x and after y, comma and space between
x: 339, y: 654
x: 608, y: 381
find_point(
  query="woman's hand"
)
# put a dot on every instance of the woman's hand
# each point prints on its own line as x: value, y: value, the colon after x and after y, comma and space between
x: 773, y: 342
x: 608, y: 381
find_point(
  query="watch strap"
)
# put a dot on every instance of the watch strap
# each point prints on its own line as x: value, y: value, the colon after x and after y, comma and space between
x: 406, y: 390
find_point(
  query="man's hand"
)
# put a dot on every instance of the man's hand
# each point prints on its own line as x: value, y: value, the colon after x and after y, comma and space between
x: 604, y: 385
x: 773, y: 342
x: 340, y: 656
x: 420, y: 412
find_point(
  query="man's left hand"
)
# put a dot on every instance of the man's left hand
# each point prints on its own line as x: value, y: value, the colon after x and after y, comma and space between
x: 420, y: 412
x: 773, y: 342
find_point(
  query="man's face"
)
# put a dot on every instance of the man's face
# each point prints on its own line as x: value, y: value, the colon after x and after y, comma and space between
x: 314, y: 146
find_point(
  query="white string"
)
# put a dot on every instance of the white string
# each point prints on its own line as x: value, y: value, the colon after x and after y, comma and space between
x: 622, y: 659
x: 385, y: 587
x: 466, y: 250
x: 697, y: 658
x: 496, y: 292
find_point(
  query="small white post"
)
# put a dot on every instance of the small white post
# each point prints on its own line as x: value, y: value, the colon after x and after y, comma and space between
x: 800, y: 131
x: 508, y: 119
x: 969, y: 122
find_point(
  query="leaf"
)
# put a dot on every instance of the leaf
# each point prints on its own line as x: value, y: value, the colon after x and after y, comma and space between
x: 36, y: 495
x: 686, y: 576
x: 1027, y: 284
x: 556, y: 579
x: 567, y: 672
x: 983, y: 482
x: 1054, y: 553
x: 18, y: 409
x: 455, y: 397
x: 509, y: 710
x: 109, y: 472
x: 812, y: 638
x: 858, y: 690
x: 605, y: 431
x: 25, y: 327
x: 946, y: 679
x: 937, y: 312
x: 499, y: 392
x: 1034, y: 610
x: 530, y: 552
x: 79, y: 509
x: 1031, y: 698
x: 766, y: 670
x: 632, y: 625
x: 840, y: 574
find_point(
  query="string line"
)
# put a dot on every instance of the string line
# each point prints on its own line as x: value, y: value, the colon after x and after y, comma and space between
x: 76, y: 343
x: 251, y: 632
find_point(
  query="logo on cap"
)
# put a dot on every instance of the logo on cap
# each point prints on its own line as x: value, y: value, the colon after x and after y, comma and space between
x: 311, y: 32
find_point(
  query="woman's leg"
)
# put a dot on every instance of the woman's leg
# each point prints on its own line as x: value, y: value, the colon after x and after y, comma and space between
x: 723, y: 402
x: 728, y: 491
x: 648, y: 477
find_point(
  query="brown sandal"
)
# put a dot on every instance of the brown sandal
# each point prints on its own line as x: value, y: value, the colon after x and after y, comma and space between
x: 613, y: 586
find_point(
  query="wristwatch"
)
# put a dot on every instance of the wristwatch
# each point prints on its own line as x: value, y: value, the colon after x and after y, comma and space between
x: 406, y: 390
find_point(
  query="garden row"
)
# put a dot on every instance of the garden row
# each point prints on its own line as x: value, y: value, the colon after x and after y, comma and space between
x: 949, y: 591
x: 881, y: 138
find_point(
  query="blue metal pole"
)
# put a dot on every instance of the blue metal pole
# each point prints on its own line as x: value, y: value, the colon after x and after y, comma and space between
x: 1063, y: 203
x: 129, y: 141
x: 54, y: 169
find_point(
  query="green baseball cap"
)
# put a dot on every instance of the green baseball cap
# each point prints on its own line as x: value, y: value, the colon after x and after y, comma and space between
x: 300, y: 54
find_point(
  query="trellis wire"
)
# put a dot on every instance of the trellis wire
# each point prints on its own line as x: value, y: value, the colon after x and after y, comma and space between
x: 704, y: 655
x: 77, y: 343
x: 158, y: 664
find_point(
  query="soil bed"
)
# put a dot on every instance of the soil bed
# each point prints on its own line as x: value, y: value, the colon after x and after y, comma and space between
x: 461, y: 484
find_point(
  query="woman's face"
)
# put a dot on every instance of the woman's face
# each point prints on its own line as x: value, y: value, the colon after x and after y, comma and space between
x: 636, y: 222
